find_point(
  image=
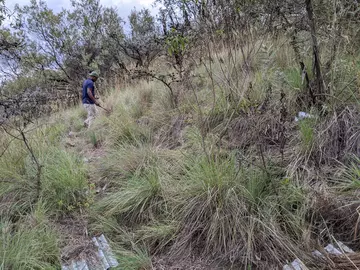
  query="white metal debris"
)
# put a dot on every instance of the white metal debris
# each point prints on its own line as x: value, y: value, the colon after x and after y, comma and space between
x: 105, y: 259
x: 317, y: 253
x: 80, y: 265
x: 303, y: 115
x: 104, y: 245
x: 295, y: 265
x: 101, y: 254
x: 344, y: 248
x: 331, y: 249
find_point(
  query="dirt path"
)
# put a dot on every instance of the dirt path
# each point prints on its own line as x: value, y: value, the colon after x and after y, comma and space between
x: 77, y: 243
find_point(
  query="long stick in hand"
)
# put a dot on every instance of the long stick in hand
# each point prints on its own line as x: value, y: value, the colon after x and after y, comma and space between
x: 102, y: 107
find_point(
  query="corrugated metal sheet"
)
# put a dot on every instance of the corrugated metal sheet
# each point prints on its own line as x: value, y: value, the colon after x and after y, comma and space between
x: 105, y: 247
x: 101, y: 254
x: 105, y: 259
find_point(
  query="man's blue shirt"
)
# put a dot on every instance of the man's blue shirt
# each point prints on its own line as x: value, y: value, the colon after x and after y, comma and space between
x: 85, y: 97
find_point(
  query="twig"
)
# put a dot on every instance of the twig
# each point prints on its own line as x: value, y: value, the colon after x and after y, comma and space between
x: 38, y: 166
x: 173, y: 98
x: 263, y: 159
x: 7, y: 147
x: 35, y: 160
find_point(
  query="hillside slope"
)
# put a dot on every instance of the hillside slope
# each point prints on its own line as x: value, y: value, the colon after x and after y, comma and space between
x: 225, y: 179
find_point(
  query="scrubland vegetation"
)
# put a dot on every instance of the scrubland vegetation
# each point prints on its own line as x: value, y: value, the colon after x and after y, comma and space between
x: 200, y: 163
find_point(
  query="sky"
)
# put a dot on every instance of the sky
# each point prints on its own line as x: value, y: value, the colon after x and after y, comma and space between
x: 124, y: 7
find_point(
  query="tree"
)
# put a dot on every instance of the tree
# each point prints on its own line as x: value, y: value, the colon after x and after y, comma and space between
x: 18, y: 117
x: 111, y: 56
x: 11, y: 43
x: 144, y: 44
x: 74, y: 42
x: 142, y: 23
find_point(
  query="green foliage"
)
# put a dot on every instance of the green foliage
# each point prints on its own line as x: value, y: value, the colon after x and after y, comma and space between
x: 129, y: 133
x: 140, y: 200
x: 134, y: 260
x: 345, y: 78
x: 125, y: 160
x: 12, y: 161
x: 64, y: 184
x: 16, y: 192
x: 120, y: 127
x: 63, y: 181
x: 141, y: 23
x: 81, y: 114
x: 293, y: 78
x: 33, y: 244
x: 131, y: 162
x: 216, y: 196
x: 158, y: 235
x: 191, y: 198
x: 16, y: 195
x: 18, y: 85
x: 93, y: 139
x: 76, y: 121
x: 176, y: 43
x: 51, y: 133
x: 350, y: 177
x: 307, y: 129
x: 62, y: 39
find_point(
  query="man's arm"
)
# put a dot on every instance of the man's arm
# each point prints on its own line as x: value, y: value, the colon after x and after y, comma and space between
x: 89, y: 92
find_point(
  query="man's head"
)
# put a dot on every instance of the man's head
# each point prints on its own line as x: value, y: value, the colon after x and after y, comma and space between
x: 93, y: 76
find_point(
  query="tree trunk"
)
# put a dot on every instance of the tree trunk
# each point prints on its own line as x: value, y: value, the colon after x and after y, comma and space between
x: 320, y: 89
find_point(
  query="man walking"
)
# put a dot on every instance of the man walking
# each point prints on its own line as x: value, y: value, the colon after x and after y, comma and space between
x: 88, y: 98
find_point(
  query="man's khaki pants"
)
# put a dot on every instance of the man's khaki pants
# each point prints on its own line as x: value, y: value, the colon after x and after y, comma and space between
x: 91, y: 113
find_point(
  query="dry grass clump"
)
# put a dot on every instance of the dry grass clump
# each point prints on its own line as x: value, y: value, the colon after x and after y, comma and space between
x: 125, y: 161
x: 340, y: 135
x: 344, y: 262
x: 142, y: 199
x: 171, y: 136
x: 210, y: 208
x: 245, y: 131
x: 30, y: 244
x: 157, y: 236
x: 239, y: 216
x: 318, y: 146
